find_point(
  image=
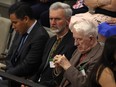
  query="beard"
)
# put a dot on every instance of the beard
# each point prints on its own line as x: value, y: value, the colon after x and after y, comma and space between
x: 57, y: 29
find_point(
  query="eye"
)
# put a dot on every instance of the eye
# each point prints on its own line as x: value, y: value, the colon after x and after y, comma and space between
x: 56, y: 19
x: 79, y: 39
x: 50, y: 18
x: 14, y: 22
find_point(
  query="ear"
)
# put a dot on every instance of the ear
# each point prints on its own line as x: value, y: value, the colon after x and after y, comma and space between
x: 26, y: 19
x: 68, y: 20
x: 91, y: 37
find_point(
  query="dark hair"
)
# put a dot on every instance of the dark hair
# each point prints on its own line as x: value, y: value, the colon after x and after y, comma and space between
x: 107, y: 60
x: 21, y: 10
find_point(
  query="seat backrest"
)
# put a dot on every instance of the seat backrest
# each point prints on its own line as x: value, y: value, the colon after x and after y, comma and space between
x: 5, y: 24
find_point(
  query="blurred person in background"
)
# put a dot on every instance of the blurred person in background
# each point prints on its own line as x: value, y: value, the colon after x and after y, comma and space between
x: 98, y: 11
x: 104, y: 72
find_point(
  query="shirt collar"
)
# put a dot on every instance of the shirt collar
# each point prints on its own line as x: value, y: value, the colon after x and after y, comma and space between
x: 29, y: 30
x: 62, y: 35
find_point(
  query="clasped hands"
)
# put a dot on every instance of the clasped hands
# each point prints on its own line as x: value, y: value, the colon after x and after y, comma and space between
x: 62, y: 61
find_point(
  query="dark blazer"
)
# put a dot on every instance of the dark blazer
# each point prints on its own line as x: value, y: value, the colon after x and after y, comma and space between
x: 66, y: 47
x: 73, y: 74
x: 30, y: 56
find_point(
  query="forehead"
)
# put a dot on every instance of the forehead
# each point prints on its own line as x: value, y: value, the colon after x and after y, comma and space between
x: 57, y: 13
x: 13, y: 17
x: 78, y: 34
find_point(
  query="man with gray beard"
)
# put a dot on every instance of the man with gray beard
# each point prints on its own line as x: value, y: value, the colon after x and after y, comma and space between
x: 61, y: 43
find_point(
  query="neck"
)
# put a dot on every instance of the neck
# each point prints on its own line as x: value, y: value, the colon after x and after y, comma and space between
x: 62, y: 33
x: 30, y: 23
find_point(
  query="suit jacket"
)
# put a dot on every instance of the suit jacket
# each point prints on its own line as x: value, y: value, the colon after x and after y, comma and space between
x: 30, y: 56
x: 66, y: 47
x: 73, y: 75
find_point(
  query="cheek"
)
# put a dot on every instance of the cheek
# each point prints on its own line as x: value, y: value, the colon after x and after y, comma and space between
x: 85, y: 44
x: 19, y: 25
x: 61, y: 23
x: 76, y: 43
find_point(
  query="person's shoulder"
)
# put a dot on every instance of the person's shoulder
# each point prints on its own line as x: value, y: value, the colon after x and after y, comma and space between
x: 107, y: 71
x: 107, y: 78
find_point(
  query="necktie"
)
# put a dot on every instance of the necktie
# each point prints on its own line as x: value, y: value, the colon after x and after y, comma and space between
x: 83, y: 56
x: 14, y: 56
x: 54, y: 48
x: 22, y: 41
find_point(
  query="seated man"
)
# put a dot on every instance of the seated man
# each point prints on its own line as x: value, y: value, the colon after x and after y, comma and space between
x: 27, y: 48
x: 61, y: 43
x: 84, y: 58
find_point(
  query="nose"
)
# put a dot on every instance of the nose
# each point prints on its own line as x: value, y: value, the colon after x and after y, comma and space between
x: 76, y: 42
x: 13, y: 26
x: 53, y: 22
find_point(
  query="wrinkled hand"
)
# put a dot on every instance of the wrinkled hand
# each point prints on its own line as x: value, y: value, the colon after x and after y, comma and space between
x: 62, y: 61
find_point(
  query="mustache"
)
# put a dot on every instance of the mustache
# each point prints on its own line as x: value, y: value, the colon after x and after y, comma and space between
x: 54, y: 27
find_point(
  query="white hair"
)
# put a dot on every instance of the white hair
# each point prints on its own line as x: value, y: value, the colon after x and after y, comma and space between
x: 60, y: 5
x: 86, y: 27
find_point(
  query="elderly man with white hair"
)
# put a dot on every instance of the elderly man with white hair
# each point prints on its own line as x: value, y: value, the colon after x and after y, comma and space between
x: 84, y: 58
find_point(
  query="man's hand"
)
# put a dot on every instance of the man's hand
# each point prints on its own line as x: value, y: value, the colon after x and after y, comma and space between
x: 62, y: 61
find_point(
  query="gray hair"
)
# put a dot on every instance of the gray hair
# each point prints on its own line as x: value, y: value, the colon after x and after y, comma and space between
x: 86, y: 27
x: 60, y: 5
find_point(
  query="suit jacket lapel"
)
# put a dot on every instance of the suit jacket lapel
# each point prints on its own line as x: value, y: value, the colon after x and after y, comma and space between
x: 91, y: 54
x: 75, y: 58
x: 63, y: 42
x: 59, y: 48
x: 17, y: 44
x: 47, y: 51
x: 28, y: 39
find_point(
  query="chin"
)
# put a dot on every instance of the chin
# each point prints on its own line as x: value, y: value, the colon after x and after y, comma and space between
x: 82, y: 51
x: 55, y: 30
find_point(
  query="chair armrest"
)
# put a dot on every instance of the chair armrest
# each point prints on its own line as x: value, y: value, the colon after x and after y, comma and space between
x: 19, y: 80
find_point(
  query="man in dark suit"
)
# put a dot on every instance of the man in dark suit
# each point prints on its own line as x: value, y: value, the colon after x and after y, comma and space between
x: 60, y: 14
x: 25, y: 54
